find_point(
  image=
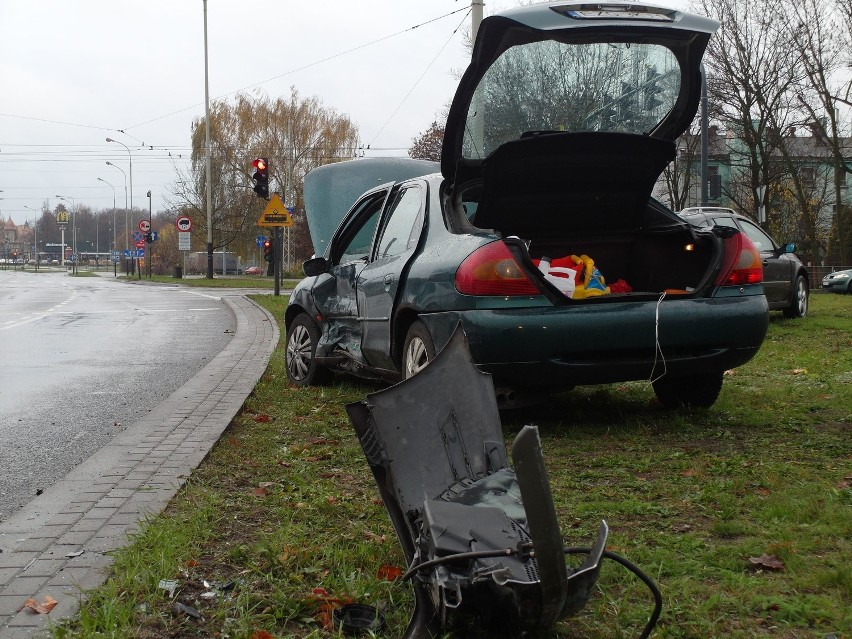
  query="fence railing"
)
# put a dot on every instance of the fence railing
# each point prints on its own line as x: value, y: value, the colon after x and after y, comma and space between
x: 816, y: 274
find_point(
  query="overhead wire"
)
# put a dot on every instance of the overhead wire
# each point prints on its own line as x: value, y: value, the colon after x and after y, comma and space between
x: 306, y: 66
x: 422, y: 75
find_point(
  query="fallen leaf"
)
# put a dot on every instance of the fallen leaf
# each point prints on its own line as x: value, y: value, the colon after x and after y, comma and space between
x: 374, y: 537
x: 800, y: 371
x: 262, y: 634
x: 331, y: 499
x: 388, y: 573
x: 769, y: 562
x: 260, y: 492
x: 262, y: 418
x: 729, y: 373
x: 192, y: 563
x: 846, y: 483
x: 43, y: 608
x: 267, y: 484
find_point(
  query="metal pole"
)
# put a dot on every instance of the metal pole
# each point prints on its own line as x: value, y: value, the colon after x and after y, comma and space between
x: 276, y: 251
x: 705, y: 186
x: 208, y: 167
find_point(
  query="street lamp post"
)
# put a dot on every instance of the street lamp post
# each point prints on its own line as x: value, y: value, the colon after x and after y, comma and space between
x: 35, y: 232
x: 130, y: 158
x: 114, y: 247
x: 150, y: 231
x: 65, y: 198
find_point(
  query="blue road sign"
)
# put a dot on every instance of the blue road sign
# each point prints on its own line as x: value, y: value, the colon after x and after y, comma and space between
x: 128, y: 253
x: 259, y: 240
x: 140, y: 252
x: 155, y: 236
x: 137, y: 236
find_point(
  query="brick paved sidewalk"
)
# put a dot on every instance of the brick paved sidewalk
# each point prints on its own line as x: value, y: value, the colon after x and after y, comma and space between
x: 105, y: 498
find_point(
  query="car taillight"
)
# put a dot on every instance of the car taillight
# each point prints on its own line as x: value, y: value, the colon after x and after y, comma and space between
x: 741, y: 263
x: 491, y: 270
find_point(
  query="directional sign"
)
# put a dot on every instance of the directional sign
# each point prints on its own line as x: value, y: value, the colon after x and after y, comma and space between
x: 140, y: 252
x: 275, y: 214
x: 128, y: 253
x: 144, y: 226
x: 260, y: 240
x: 183, y: 223
x: 155, y: 236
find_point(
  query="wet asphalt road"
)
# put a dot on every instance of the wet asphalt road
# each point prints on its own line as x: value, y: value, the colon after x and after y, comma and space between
x: 81, y: 358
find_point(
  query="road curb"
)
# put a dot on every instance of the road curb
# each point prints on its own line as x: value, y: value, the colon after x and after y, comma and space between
x: 57, y: 545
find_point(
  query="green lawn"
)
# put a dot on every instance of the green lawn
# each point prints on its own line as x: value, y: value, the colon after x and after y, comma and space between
x: 285, y: 508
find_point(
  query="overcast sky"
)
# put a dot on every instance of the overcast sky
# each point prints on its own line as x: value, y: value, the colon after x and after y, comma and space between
x: 74, y: 72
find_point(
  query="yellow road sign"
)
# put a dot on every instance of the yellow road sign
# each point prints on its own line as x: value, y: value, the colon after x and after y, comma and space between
x: 275, y: 214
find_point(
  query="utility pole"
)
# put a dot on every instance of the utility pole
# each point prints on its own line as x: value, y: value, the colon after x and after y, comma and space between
x: 207, y: 161
x: 476, y: 10
x: 705, y: 178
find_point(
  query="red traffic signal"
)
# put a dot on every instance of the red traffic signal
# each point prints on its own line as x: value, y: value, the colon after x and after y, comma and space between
x: 261, y: 177
x: 267, y: 251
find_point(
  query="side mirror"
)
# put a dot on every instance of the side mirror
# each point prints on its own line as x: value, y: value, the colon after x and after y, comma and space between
x: 790, y: 248
x: 315, y: 266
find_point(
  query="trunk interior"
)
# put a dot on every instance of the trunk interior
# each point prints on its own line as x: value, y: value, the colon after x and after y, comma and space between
x: 650, y: 262
x: 587, y: 194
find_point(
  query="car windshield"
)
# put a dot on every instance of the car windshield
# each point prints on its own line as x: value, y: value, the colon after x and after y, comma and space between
x: 552, y: 86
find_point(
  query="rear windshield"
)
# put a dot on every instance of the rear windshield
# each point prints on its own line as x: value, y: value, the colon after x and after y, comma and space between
x: 552, y: 86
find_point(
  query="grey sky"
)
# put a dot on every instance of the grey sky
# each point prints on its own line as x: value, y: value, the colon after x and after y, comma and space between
x: 73, y: 72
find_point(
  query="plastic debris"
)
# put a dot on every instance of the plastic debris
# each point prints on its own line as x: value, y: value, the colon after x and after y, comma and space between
x: 169, y: 585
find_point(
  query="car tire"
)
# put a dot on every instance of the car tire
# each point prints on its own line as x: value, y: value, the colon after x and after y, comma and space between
x: 798, y: 298
x: 300, y: 354
x: 689, y: 391
x: 418, y: 351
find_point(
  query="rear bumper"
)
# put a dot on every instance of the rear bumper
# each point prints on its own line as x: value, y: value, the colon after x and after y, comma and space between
x: 604, y: 343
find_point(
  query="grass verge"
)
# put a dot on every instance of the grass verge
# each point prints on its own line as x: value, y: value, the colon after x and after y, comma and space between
x: 282, y: 520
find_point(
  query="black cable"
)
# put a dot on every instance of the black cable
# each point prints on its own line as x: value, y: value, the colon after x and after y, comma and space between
x: 477, y: 554
x: 506, y: 552
x: 658, y: 597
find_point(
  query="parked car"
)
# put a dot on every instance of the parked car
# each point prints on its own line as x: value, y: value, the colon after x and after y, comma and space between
x: 558, y: 131
x: 253, y: 270
x: 785, y: 279
x: 838, y: 281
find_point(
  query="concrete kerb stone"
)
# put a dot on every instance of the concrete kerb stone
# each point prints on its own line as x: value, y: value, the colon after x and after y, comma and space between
x: 101, y: 497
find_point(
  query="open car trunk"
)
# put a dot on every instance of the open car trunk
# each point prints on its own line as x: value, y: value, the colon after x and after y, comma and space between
x: 588, y: 195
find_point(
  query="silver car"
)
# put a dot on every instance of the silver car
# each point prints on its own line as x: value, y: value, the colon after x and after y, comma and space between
x: 838, y: 282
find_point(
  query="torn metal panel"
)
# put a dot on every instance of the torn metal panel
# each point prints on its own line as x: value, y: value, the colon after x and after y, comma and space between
x: 482, y: 539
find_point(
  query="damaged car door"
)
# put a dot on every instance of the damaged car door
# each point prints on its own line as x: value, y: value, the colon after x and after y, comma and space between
x: 379, y: 281
x: 334, y: 292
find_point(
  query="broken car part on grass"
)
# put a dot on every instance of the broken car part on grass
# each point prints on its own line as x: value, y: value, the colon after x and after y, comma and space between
x: 481, y: 539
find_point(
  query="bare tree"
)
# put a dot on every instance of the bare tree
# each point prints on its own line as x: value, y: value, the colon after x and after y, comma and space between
x: 818, y: 33
x: 751, y: 69
x: 427, y: 145
x: 295, y: 134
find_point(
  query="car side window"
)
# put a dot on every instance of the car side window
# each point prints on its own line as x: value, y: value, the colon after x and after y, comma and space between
x: 402, y: 229
x: 725, y: 221
x: 760, y: 239
x: 356, y: 241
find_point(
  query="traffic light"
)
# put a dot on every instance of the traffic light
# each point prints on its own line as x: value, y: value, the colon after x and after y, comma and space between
x: 268, y: 252
x: 652, y: 91
x: 261, y: 177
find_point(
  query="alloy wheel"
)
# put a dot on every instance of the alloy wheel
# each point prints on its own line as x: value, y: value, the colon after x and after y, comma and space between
x: 299, y: 353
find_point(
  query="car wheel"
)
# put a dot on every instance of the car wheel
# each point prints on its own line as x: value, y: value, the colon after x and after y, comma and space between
x: 798, y: 299
x: 690, y: 391
x: 419, y: 350
x: 302, y: 367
